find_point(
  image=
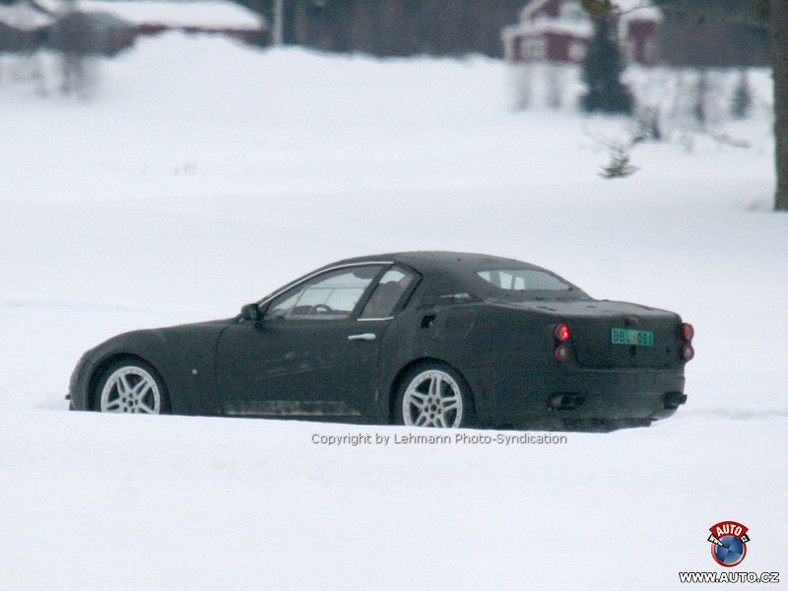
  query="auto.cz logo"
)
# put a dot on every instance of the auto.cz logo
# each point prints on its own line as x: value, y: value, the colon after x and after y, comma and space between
x: 728, y: 543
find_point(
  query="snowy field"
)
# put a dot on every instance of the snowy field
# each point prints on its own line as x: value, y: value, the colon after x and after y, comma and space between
x: 202, y: 175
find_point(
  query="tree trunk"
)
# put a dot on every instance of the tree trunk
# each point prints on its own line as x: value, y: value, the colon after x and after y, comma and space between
x: 779, y: 34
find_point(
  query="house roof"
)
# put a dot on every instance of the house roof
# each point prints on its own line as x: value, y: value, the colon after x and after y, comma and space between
x: 172, y: 13
x: 582, y: 30
x: 630, y: 9
x: 23, y: 17
x: 180, y: 13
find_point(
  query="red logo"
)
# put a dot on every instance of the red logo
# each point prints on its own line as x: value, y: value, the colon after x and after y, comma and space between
x: 728, y: 543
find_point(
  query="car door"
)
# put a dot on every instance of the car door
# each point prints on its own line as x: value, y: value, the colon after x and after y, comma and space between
x: 314, y: 352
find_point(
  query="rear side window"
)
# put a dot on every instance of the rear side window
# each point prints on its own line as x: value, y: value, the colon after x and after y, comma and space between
x: 387, y: 294
x: 523, y: 280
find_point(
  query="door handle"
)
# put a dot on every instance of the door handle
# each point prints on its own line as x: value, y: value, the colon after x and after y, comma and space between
x: 364, y: 336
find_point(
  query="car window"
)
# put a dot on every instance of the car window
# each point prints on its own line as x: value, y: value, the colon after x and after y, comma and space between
x: 523, y: 280
x: 387, y: 294
x: 330, y: 296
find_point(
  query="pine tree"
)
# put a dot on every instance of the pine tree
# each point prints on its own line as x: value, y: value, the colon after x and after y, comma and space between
x: 619, y: 166
x: 602, y: 70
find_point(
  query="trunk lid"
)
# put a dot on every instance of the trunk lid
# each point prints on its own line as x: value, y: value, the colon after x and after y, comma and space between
x: 608, y: 334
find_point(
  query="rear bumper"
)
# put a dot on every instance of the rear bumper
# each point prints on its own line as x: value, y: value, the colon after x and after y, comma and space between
x: 587, y: 399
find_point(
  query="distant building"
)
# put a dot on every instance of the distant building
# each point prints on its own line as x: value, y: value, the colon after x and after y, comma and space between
x: 558, y: 31
x: 111, y: 25
x: 552, y: 37
x: 150, y: 17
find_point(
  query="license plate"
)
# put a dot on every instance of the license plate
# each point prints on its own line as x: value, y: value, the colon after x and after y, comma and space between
x: 624, y: 336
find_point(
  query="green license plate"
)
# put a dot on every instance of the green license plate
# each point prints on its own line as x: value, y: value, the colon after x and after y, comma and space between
x: 624, y: 336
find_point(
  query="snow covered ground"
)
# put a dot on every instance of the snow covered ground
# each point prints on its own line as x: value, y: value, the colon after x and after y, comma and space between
x: 202, y: 175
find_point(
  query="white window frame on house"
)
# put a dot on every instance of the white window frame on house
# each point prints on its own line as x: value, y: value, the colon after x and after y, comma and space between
x: 577, y: 50
x: 535, y: 48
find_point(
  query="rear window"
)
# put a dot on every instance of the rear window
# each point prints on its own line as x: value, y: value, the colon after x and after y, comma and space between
x: 518, y: 280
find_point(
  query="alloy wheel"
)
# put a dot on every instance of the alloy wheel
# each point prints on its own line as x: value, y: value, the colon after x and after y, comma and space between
x: 130, y: 389
x: 433, y: 398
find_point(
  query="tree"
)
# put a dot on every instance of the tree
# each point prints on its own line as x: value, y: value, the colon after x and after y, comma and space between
x: 619, y: 166
x: 742, y: 97
x: 602, y: 70
x: 391, y: 27
x: 778, y: 16
x: 701, y: 97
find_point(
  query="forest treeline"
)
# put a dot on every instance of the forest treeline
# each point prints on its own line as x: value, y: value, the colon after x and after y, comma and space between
x: 461, y: 27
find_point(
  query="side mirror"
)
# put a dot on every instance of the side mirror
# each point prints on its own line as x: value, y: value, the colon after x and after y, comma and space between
x: 251, y: 312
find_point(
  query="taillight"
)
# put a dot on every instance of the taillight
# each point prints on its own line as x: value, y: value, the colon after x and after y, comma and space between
x: 687, y: 332
x: 561, y: 332
x: 687, y: 352
x: 561, y: 352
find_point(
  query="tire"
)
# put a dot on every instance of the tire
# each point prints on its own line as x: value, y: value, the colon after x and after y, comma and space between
x: 131, y: 386
x: 434, y: 395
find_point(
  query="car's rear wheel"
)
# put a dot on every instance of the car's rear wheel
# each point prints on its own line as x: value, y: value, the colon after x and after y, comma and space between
x: 434, y: 395
x: 131, y: 387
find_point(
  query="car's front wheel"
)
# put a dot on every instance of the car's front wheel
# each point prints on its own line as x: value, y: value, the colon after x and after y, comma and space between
x: 434, y: 396
x: 131, y: 387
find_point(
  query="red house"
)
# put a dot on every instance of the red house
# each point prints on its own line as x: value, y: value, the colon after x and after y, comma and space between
x: 558, y: 31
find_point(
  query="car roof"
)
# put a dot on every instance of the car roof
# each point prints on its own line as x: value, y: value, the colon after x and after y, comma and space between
x: 446, y: 270
x: 427, y: 261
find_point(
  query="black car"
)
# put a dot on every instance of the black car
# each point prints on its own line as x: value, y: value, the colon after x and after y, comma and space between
x: 433, y: 339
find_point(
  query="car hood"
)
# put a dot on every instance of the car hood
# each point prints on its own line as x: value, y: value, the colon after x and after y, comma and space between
x: 158, y: 342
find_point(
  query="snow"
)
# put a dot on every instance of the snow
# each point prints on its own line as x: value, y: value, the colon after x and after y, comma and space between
x: 177, y: 13
x: 23, y: 17
x: 582, y: 29
x: 203, y: 174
